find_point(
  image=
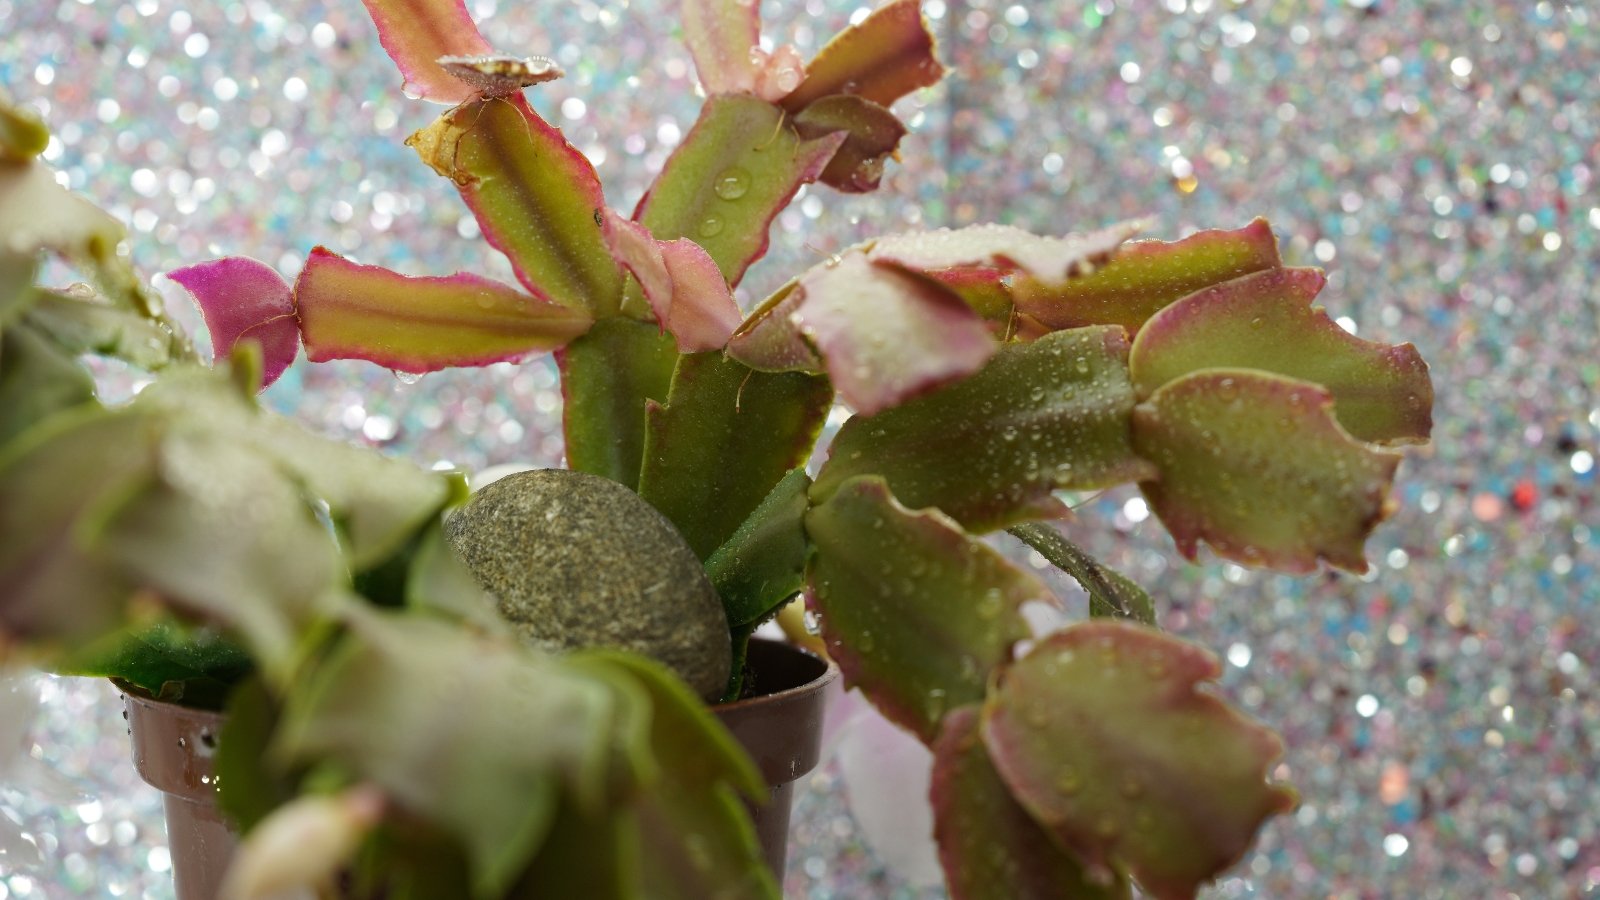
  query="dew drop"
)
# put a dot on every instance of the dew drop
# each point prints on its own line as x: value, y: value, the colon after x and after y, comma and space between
x: 407, y: 377
x: 732, y: 183
x: 711, y: 226
x: 813, y: 622
x: 788, y: 78
x: 1068, y: 781
x: 989, y: 606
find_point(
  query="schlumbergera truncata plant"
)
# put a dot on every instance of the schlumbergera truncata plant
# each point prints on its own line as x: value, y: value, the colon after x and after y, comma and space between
x: 986, y: 368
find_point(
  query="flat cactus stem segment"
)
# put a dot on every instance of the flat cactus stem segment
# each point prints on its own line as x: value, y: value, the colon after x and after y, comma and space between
x: 411, y: 324
x: 886, y: 56
x: 1381, y: 392
x: 536, y: 197
x: 478, y: 779
x: 917, y: 613
x: 1257, y: 466
x: 721, y: 35
x: 608, y: 378
x: 1103, y: 732
x: 724, y: 437
x: 416, y: 33
x: 735, y: 171
x: 1146, y: 276
x: 991, y: 449
x: 244, y: 299
x: 989, y: 846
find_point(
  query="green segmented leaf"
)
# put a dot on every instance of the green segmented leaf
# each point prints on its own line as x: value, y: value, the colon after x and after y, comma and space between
x: 607, y: 378
x: 38, y: 379
x: 917, y: 613
x: 873, y: 135
x: 376, y: 503
x: 1258, y: 466
x: 763, y: 564
x: 417, y: 32
x: 350, y: 311
x: 1146, y: 276
x: 1102, y: 734
x: 17, y: 294
x: 1381, y: 392
x: 481, y: 775
x: 695, y: 838
x: 989, y: 450
x: 537, y: 199
x: 80, y: 321
x: 989, y: 846
x: 725, y: 436
x: 212, y: 492
x: 38, y: 214
x: 734, y: 172
x: 882, y: 58
x: 1111, y: 593
x: 58, y: 593
x: 590, y: 855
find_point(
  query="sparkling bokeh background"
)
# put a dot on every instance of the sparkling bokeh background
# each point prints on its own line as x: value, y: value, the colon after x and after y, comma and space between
x: 1438, y: 158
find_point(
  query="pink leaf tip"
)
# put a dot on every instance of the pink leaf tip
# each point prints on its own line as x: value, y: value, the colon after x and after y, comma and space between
x: 243, y: 299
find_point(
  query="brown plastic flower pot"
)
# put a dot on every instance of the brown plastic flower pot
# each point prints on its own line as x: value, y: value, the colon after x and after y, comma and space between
x: 779, y: 725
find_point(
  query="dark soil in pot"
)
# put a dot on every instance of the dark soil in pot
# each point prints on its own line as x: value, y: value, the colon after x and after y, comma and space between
x: 779, y: 723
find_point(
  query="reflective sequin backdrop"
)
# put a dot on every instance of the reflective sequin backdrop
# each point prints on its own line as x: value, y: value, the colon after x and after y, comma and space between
x: 1438, y: 158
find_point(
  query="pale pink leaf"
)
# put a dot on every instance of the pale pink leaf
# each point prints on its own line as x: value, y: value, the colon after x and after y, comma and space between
x: 680, y: 280
x: 721, y: 35
x: 888, y: 334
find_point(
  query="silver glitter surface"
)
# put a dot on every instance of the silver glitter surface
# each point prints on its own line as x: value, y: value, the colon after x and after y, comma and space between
x: 1438, y: 158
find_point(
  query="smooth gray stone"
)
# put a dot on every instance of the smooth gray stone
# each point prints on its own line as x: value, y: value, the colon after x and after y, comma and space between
x: 578, y: 561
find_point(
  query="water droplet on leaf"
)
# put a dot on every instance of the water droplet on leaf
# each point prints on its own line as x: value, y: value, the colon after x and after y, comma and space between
x: 732, y: 184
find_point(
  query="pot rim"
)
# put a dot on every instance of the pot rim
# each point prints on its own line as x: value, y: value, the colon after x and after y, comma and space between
x: 830, y: 672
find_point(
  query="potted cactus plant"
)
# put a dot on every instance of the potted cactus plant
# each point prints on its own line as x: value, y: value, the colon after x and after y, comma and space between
x: 511, y: 699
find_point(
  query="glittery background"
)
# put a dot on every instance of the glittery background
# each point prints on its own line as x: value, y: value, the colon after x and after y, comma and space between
x: 1437, y: 157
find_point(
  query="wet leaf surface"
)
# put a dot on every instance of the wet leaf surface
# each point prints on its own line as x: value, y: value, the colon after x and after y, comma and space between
x: 1146, y: 276
x: 1381, y: 392
x: 1257, y: 466
x: 990, y: 449
x: 989, y: 846
x: 724, y: 438
x: 536, y: 197
x: 411, y: 324
x: 917, y: 613
x: 1103, y: 735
